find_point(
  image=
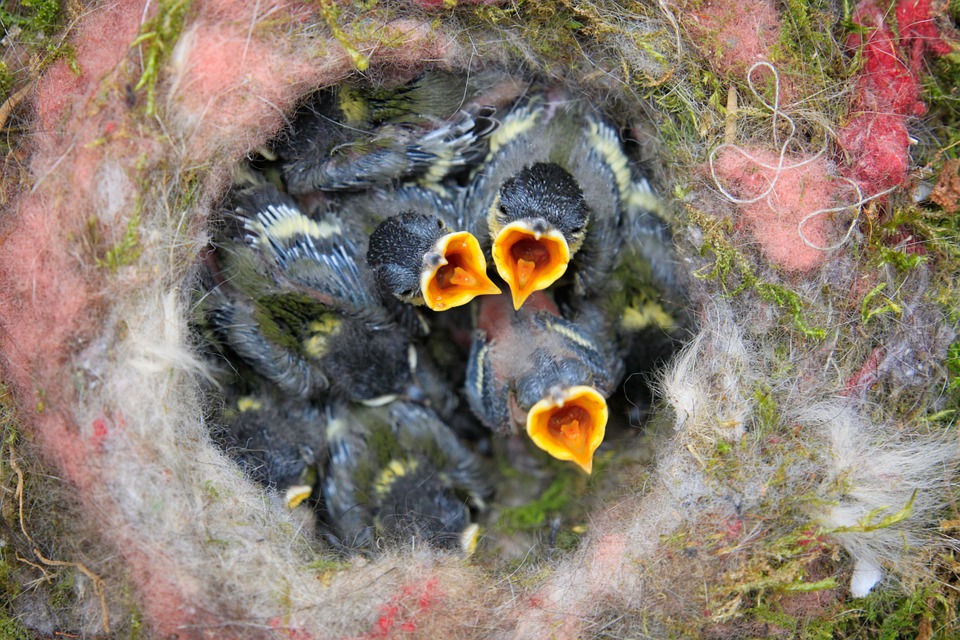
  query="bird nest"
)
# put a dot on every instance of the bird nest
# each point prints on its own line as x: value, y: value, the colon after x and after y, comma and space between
x: 800, y: 453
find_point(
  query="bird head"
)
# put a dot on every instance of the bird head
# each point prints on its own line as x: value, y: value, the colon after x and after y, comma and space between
x: 416, y: 503
x: 539, y: 222
x: 419, y: 260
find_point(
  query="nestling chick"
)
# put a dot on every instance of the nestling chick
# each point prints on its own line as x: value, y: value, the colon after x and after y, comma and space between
x: 355, y: 136
x: 416, y: 255
x: 551, y: 187
x: 278, y: 441
x: 396, y: 473
x: 644, y: 297
x: 292, y: 300
x: 531, y: 369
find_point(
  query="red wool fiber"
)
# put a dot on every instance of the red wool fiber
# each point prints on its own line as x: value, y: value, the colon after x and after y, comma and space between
x: 875, y: 141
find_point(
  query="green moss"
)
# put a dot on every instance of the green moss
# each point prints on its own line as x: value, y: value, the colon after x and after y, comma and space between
x: 766, y: 415
x: 7, y: 80
x: 901, y: 259
x: 136, y: 626
x: 157, y: 38
x: 127, y: 249
x: 41, y: 24
x: 889, y: 616
x: 11, y: 629
x: 941, y: 93
x: 764, y: 613
x: 535, y: 513
x: 953, y: 365
x: 8, y: 585
x: 876, y: 303
x: 211, y: 489
x: 332, y: 14
x: 34, y: 17
x: 549, y: 28
x: 735, y: 275
x: 876, y: 520
x: 326, y: 565
x: 63, y: 594
x: 808, y: 51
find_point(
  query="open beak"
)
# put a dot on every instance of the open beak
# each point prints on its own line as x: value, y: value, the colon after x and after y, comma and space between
x: 529, y: 260
x: 569, y: 425
x: 460, y: 275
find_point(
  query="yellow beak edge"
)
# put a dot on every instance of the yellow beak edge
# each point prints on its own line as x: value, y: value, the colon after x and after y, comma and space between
x: 570, y: 425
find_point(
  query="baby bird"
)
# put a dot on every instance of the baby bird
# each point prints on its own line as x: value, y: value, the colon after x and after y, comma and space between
x: 278, y: 441
x: 536, y: 371
x: 396, y: 473
x: 551, y: 186
x: 292, y: 300
x: 415, y: 254
x: 354, y: 136
x: 645, y: 297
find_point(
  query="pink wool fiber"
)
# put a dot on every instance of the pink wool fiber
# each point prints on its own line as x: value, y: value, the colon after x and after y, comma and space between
x: 735, y: 35
x: 800, y: 187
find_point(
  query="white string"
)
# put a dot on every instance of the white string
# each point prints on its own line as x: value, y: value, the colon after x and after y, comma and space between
x: 853, y: 223
x: 781, y: 166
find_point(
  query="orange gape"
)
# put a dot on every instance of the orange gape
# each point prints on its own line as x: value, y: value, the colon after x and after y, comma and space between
x: 570, y: 425
x: 529, y: 261
x: 461, y: 275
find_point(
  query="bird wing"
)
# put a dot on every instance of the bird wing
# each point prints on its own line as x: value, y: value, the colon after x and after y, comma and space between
x: 253, y: 334
x: 318, y: 254
x: 487, y: 393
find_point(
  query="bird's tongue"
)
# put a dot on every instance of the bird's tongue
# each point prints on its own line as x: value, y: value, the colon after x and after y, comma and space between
x: 525, y: 269
x: 463, y: 278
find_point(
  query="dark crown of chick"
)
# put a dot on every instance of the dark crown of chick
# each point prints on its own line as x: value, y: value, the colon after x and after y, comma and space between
x: 546, y: 195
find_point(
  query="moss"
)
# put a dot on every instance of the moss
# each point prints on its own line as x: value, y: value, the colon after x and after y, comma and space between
x: 41, y: 25
x: 157, y: 38
x: 535, y: 513
x: 11, y: 629
x: 126, y: 250
x: 63, y: 594
x: 941, y: 92
x: 332, y: 14
x: 326, y: 569
x: 953, y: 365
x: 136, y: 626
x: 324, y: 565
x: 549, y: 28
x: 7, y: 80
x: 876, y: 303
x: 766, y: 416
x: 34, y: 17
x: 890, y: 616
x: 735, y: 275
